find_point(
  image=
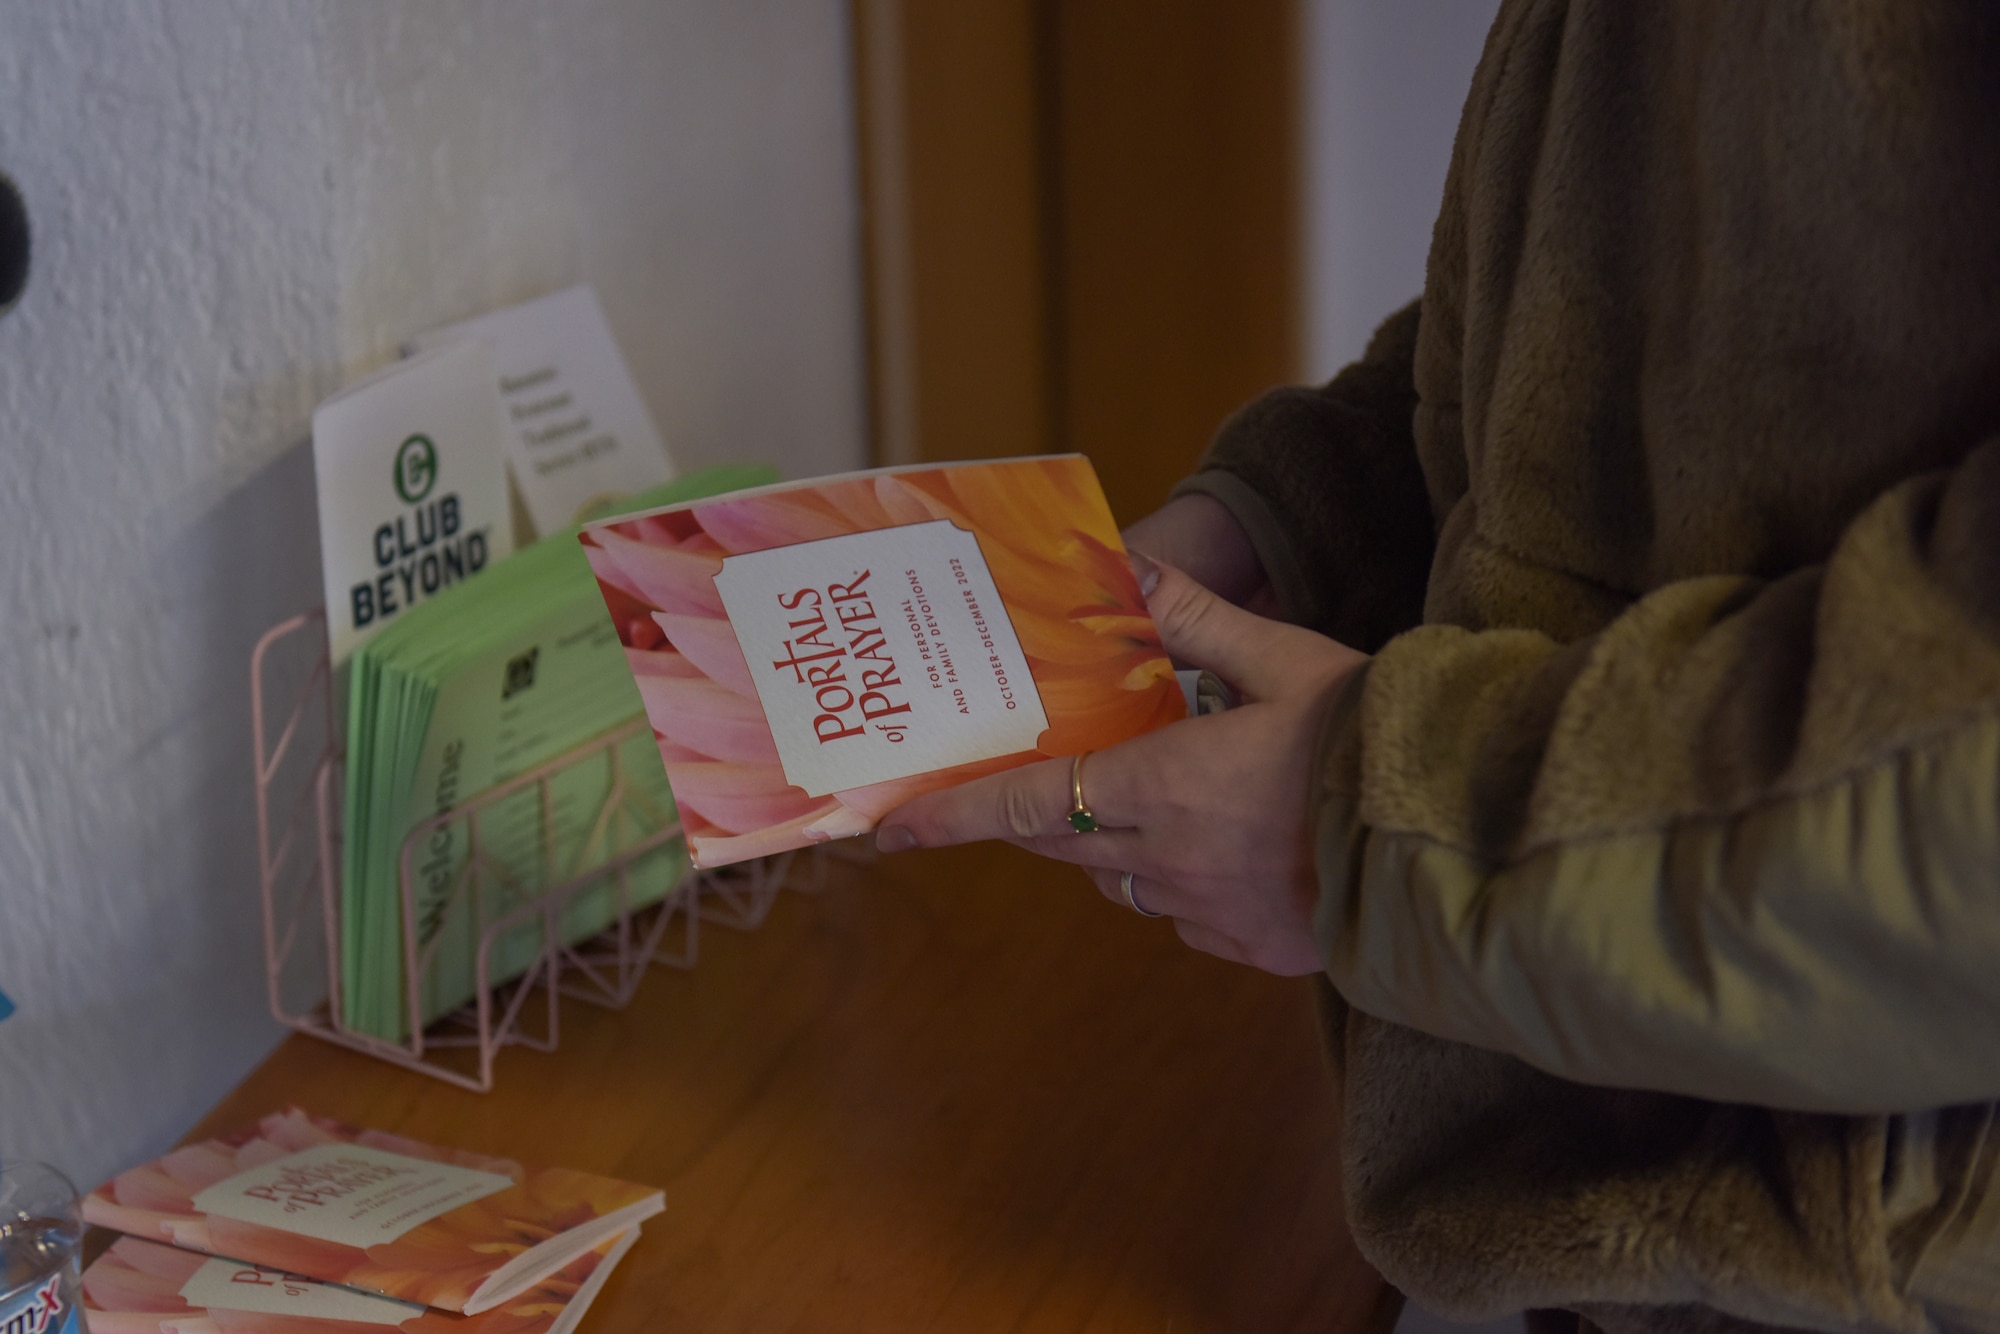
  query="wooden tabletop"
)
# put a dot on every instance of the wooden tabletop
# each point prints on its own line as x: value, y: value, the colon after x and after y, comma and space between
x: 951, y: 1090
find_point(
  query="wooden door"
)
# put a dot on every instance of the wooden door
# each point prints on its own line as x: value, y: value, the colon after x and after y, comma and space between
x: 1082, y: 226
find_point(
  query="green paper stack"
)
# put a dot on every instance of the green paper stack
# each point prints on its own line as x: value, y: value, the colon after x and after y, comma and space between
x: 457, y: 696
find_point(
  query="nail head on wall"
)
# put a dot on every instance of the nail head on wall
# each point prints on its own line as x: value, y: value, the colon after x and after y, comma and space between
x: 13, y: 243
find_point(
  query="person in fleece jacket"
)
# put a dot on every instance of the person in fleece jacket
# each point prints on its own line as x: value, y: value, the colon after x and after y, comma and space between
x: 1629, y: 766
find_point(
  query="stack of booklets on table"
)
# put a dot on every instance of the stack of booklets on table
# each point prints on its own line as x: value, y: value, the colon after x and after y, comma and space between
x: 302, y: 1225
x: 471, y: 688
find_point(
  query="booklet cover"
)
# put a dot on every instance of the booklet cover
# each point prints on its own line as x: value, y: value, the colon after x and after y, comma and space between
x: 578, y: 433
x: 813, y: 654
x: 142, y: 1287
x: 411, y: 473
x: 366, y: 1209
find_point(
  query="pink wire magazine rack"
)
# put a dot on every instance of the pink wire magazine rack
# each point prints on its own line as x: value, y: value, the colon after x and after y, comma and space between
x: 298, y: 789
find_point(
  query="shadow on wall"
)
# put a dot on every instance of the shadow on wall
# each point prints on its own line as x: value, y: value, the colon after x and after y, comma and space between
x: 177, y: 831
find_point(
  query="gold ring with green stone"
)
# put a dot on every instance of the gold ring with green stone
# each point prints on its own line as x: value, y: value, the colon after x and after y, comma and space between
x: 1080, y: 818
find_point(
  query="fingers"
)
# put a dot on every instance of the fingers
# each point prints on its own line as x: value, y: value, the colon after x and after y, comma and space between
x: 1149, y: 898
x: 1029, y: 805
x: 1259, y: 657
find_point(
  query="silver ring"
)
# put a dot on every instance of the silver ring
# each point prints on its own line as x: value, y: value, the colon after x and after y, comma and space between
x: 1125, y: 888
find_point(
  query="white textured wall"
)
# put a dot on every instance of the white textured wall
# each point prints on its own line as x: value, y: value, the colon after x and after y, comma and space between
x: 238, y: 204
x: 1385, y: 80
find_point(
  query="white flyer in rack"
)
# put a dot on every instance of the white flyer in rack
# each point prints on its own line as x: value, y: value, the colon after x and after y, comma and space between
x: 411, y: 472
x: 579, y: 435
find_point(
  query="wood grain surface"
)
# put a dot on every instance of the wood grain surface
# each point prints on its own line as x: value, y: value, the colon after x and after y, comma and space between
x: 952, y: 1090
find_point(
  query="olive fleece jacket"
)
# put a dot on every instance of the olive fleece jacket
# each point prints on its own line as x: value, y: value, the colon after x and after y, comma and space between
x: 1660, y: 840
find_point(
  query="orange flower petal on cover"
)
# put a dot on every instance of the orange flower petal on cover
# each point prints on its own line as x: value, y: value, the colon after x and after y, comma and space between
x: 710, y: 645
x: 858, y: 506
x: 665, y: 578
x: 447, y: 1258
x: 275, y: 1249
x: 906, y: 504
x: 1117, y: 623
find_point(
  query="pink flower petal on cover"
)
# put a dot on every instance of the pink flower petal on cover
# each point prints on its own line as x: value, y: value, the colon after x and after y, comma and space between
x: 147, y: 1187
x: 153, y: 1223
x: 708, y: 852
x: 191, y: 1233
x: 258, y: 1152
x: 711, y: 645
x: 667, y: 578
x: 757, y: 523
x: 166, y: 1262
x: 290, y: 1251
x: 296, y: 1130
x: 673, y: 753
x: 696, y: 712
x: 199, y: 1166
x: 742, y: 797
x: 841, y: 822
x: 659, y: 662
x: 878, y: 799
x: 118, y: 1285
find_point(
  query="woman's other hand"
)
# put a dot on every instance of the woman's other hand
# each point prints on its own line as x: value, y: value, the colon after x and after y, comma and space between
x: 1197, y: 535
x: 1211, y: 815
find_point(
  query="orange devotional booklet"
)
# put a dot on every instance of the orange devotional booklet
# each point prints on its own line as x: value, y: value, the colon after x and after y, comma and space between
x: 443, y: 1227
x: 813, y: 654
x: 142, y: 1287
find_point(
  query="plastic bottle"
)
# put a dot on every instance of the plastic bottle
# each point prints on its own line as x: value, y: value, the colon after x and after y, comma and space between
x: 41, y: 1234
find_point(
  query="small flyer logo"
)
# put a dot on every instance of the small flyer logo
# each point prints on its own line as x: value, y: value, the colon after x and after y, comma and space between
x: 416, y: 468
x: 38, y: 1313
x: 520, y: 675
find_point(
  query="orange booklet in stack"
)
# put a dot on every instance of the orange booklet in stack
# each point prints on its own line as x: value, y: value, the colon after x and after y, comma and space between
x: 813, y: 654
x: 143, y: 1287
x: 393, y: 1216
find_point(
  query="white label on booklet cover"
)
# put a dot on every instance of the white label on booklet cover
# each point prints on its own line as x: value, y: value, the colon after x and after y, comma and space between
x: 347, y: 1193
x: 880, y: 655
x: 231, y: 1285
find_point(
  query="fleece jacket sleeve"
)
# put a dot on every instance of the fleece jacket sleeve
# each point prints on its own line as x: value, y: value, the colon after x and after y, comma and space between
x: 1743, y: 843
x: 1326, y: 483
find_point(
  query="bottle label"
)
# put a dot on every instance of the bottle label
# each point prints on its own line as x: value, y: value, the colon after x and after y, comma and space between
x: 38, y: 1308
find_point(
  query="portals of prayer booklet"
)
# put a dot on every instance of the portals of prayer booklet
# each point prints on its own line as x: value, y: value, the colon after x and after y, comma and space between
x: 300, y: 1224
x: 460, y: 694
x: 813, y: 654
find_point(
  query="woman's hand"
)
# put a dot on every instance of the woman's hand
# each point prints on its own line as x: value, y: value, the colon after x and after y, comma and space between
x: 1211, y: 815
x: 1197, y: 535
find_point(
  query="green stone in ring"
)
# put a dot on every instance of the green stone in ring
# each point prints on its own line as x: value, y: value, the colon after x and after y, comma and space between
x: 1083, y: 822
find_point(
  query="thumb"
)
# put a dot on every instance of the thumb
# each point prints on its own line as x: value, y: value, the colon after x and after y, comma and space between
x: 1256, y: 655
